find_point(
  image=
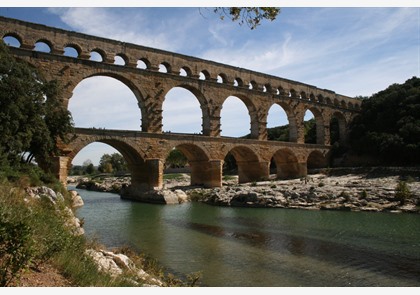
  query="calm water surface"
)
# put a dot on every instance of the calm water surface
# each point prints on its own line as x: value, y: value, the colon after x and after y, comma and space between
x: 244, y: 247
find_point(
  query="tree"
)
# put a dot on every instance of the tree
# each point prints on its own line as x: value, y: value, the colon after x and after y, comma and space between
x: 388, y: 126
x: 251, y: 16
x: 32, y: 117
x: 114, y: 163
x: 176, y: 159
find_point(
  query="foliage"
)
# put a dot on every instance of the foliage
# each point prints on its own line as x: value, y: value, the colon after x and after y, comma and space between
x: 251, y: 16
x: 402, y: 192
x: 176, y: 159
x: 32, y: 117
x: 389, y: 125
x: 114, y: 163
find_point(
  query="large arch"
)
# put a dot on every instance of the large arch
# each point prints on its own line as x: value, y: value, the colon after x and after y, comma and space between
x: 316, y: 160
x: 229, y: 117
x: 106, y: 101
x: 338, y: 118
x: 144, y: 175
x: 202, y: 173
x: 180, y: 101
x: 315, y: 134
x: 250, y: 168
x: 287, y: 164
x: 287, y: 118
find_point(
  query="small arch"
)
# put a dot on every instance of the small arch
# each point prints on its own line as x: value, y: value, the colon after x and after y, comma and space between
x: 280, y: 91
x: 97, y: 55
x: 12, y: 40
x: 293, y: 93
x: 287, y: 165
x: 343, y: 104
x: 239, y: 82
x: 336, y: 102
x: 72, y: 50
x: 350, y: 105
x: 43, y: 45
x: 165, y: 68
x: 143, y: 64
x: 185, y: 72
x: 268, y: 88
x: 303, y: 95
x: 320, y: 98
x: 253, y: 85
x: 222, y: 78
x: 204, y: 75
x: 312, y: 97
x: 119, y: 60
x: 328, y: 100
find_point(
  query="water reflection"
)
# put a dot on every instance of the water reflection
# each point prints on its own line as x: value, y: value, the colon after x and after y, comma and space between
x: 263, y: 247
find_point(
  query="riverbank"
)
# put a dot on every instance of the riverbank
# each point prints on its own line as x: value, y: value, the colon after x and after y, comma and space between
x: 395, y: 190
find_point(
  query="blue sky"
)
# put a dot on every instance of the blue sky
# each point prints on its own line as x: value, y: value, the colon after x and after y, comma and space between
x: 352, y: 51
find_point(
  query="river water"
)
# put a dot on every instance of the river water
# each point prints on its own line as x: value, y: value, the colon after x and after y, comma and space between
x: 262, y: 247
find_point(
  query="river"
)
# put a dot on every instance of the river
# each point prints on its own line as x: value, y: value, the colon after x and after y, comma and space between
x: 262, y: 247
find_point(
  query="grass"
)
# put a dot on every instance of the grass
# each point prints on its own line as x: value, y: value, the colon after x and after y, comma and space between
x: 36, y: 231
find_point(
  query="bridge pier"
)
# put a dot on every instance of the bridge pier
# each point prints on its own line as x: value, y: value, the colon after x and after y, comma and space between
x: 249, y: 171
x: 206, y: 173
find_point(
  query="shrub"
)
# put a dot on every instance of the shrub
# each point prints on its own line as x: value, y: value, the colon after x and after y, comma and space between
x: 402, y: 192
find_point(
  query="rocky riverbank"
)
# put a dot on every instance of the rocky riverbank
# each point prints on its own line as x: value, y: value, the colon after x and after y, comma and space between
x: 374, y: 189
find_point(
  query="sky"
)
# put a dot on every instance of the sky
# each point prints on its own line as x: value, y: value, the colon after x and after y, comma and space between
x: 354, y: 51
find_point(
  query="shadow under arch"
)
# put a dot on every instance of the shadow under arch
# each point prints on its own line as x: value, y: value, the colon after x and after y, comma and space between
x: 287, y: 164
x: 198, y: 161
x: 338, y: 127
x: 250, y: 168
x: 204, y: 105
x: 139, y: 96
x: 316, y: 160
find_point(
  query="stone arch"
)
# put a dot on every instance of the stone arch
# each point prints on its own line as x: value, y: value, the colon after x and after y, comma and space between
x: 198, y: 161
x: 238, y: 82
x: 100, y: 52
x: 42, y: 43
x: 319, y: 125
x: 142, y: 178
x: 187, y: 70
x: 165, y: 67
x: 291, y: 118
x: 127, y: 82
x: 252, y: 112
x: 249, y: 168
x: 286, y: 164
x: 73, y: 46
x: 316, y: 160
x: 205, y: 124
x: 222, y: 78
x: 122, y: 57
x: 342, y: 127
x: 204, y: 75
x: 253, y: 85
x: 15, y: 36
x: 146, y: 63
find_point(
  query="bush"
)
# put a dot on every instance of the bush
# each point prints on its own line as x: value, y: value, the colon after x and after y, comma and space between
x: 402, y: 192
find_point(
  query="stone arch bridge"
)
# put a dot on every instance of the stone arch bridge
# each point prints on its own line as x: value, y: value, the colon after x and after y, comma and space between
x: 151, y: 73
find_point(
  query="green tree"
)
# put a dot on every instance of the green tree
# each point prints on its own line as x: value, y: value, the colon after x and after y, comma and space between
x: 176, y: 159
x: 251, y: 16
x: 114, y: 163
x: 32, y: 117
x: 388, y: 126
